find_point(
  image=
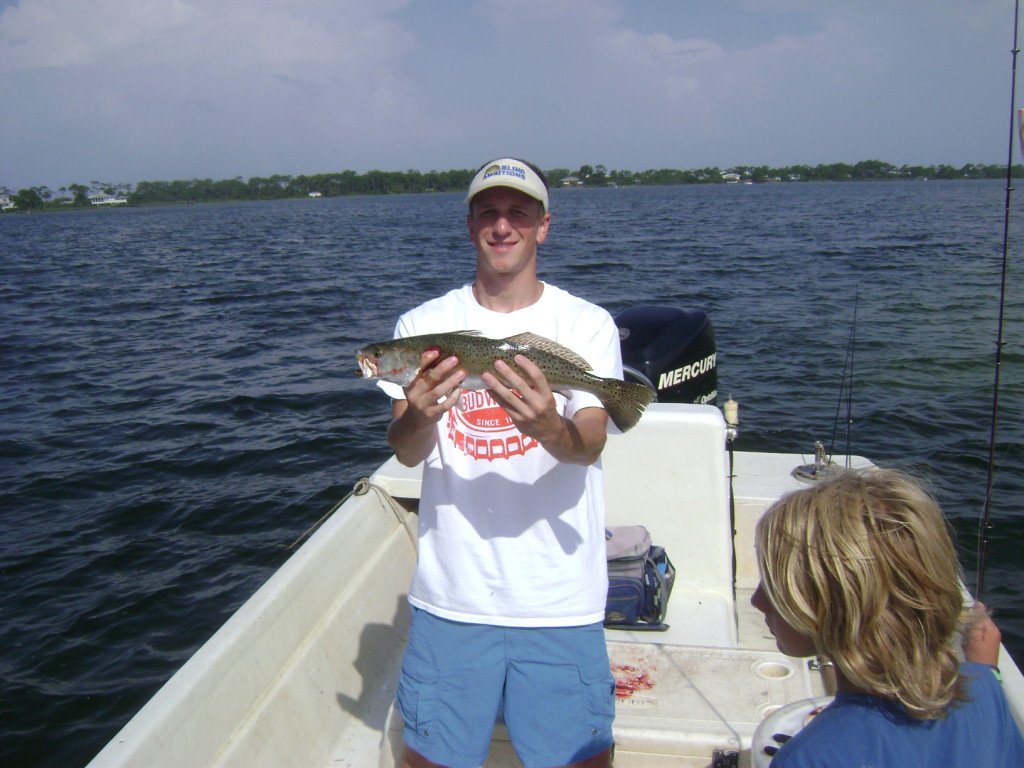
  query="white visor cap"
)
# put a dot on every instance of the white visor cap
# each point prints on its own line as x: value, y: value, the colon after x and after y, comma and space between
x: 509, y: 172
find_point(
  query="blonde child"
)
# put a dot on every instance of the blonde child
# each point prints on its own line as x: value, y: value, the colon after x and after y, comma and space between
x: 860, y: 570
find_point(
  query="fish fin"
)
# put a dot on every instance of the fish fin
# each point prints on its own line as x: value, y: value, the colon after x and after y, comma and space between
x: 551, y: 347
x: 466, y: 333
x: 625, y: 402
x: 564, y: 392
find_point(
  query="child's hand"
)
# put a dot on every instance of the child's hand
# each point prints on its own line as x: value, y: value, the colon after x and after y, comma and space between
x: 981, y: 643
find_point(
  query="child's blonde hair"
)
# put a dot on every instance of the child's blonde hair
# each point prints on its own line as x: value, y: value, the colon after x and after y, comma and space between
x: 863, y: 563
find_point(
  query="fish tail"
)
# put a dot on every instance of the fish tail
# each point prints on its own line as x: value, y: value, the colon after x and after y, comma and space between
x: 625, y: 402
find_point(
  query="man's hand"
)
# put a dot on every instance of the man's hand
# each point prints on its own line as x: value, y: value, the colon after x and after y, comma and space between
x: 436, y: 389
x: 431, y: 394
x: 527, y: 399
x: 529, y: 402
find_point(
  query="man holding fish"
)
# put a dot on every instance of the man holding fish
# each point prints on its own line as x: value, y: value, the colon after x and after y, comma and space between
x: 509, y: 591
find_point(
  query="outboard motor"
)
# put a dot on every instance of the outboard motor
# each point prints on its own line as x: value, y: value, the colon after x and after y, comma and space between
x: 672, y: 351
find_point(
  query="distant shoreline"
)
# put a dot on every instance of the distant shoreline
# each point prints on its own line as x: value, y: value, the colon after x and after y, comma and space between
x: 350, y: 183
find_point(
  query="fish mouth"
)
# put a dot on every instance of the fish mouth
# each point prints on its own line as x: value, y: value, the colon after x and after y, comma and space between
x: 368, y: 367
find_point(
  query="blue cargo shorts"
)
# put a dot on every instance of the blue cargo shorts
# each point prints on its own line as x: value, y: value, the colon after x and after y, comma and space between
x: 553, y: 687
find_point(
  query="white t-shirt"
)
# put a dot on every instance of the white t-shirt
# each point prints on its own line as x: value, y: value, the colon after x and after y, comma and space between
x: 508, y: 535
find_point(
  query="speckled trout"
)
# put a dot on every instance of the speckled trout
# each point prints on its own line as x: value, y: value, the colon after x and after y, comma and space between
x: 398, y: 361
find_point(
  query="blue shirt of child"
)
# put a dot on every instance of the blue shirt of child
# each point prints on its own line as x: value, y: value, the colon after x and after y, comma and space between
x: 858, y: 730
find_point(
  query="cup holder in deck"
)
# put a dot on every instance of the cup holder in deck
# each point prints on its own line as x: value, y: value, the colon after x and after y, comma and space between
x: 773, y: 670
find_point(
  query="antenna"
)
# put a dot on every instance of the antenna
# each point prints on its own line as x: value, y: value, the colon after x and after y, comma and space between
x: 846, y: 388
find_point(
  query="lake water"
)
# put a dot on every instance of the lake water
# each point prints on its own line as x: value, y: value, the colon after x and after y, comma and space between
x: 179, y: 403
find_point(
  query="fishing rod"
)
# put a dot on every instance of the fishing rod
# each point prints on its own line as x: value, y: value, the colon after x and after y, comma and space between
x: 985, y: 525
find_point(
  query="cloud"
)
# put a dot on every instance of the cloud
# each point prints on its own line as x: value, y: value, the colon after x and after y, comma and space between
x: 824, y: 81
x: 52, y: 33
x: 220, y: 86
x: 164, y: 89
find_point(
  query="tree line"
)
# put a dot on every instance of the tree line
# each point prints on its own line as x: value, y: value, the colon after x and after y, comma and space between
x: 377, y: 182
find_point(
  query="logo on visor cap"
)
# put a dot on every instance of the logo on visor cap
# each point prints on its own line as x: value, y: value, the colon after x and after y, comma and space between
x: 509, y: 172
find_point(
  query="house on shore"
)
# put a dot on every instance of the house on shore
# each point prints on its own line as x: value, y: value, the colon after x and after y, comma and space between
x: 102, y: 198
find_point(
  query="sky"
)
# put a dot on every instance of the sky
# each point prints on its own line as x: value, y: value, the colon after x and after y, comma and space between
x: 123, y: 91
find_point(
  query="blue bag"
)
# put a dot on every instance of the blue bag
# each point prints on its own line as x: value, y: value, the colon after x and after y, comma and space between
x: 640, y: 579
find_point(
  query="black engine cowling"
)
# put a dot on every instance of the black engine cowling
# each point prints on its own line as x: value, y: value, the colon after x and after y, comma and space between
x: 670, y: 350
